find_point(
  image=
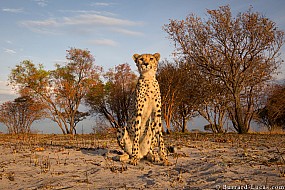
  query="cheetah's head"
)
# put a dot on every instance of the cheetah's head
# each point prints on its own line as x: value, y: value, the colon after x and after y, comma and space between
x: 146, y: 63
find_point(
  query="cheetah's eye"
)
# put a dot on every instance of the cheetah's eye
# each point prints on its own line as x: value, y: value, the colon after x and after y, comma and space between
x: 151, y: 58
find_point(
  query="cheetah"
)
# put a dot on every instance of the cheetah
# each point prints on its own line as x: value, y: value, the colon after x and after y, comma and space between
x: 144, y: 130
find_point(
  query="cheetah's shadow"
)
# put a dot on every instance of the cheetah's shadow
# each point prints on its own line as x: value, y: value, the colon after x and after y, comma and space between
x: 100, y: 151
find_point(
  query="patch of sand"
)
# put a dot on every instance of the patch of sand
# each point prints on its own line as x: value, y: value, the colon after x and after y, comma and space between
x: 200, y: 162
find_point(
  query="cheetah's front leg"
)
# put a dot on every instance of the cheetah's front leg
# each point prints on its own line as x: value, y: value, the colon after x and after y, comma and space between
x: 125, y: 143
x: 135, y: 150
x: 162, y: 150
x: 158, y: 137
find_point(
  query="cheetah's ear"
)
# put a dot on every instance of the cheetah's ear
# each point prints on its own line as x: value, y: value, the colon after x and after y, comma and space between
x: 135, y: 57
x: 157, y: 56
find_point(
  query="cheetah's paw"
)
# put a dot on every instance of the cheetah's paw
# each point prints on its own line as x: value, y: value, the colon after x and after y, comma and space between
x: 134, y: 161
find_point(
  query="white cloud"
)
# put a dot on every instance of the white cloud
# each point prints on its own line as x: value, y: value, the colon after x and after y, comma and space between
x: 106, y: 13
x: 9, y: 51
x: 40, y: 23
x: 12, y: 10
x: 83, y: 19
x: 101, y: 4
x: 128, y: 32
x: 41, y: 26
x: 80, y: 11
x: 41, y: 3
x: 104, y: 42
x: 95, y: 19
x: 83, y: 24
x: 9, y: 42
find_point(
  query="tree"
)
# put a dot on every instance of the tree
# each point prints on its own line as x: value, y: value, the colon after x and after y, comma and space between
x: 176, y: 86
x: 212, y: 101
x: 62, y: 89
x: 241, y: 53
x: 273, y: 113
x: 170, y: 84
x: 72, y: 82
x: 20, y: 114
x: 79, y: 116
x: 114, y: 98
x: 186, y: 92
x: 182, y: 115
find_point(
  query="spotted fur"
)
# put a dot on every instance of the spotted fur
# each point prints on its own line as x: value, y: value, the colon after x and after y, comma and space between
x: 144, y: 131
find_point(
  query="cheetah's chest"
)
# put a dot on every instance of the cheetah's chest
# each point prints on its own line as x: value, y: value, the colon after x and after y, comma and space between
x: 147, y: 93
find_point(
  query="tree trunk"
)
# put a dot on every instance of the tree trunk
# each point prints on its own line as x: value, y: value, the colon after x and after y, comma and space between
x: 167, y: 118
x: 184, y: 125
x: 219, y: 126
x: 239, y: 124
x: 60, y: 126
x: 168, y: 131
x: 72, y: 124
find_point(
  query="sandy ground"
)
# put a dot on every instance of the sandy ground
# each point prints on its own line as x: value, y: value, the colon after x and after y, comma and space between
x: 201, y: 161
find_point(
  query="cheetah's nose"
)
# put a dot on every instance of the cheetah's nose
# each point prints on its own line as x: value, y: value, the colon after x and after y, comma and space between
x: 146, y: 64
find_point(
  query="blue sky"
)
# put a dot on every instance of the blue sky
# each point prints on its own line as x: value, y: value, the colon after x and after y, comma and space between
x: 42, y: 30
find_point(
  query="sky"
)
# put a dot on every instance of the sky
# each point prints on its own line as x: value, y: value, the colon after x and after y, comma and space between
x: 113, y: 30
